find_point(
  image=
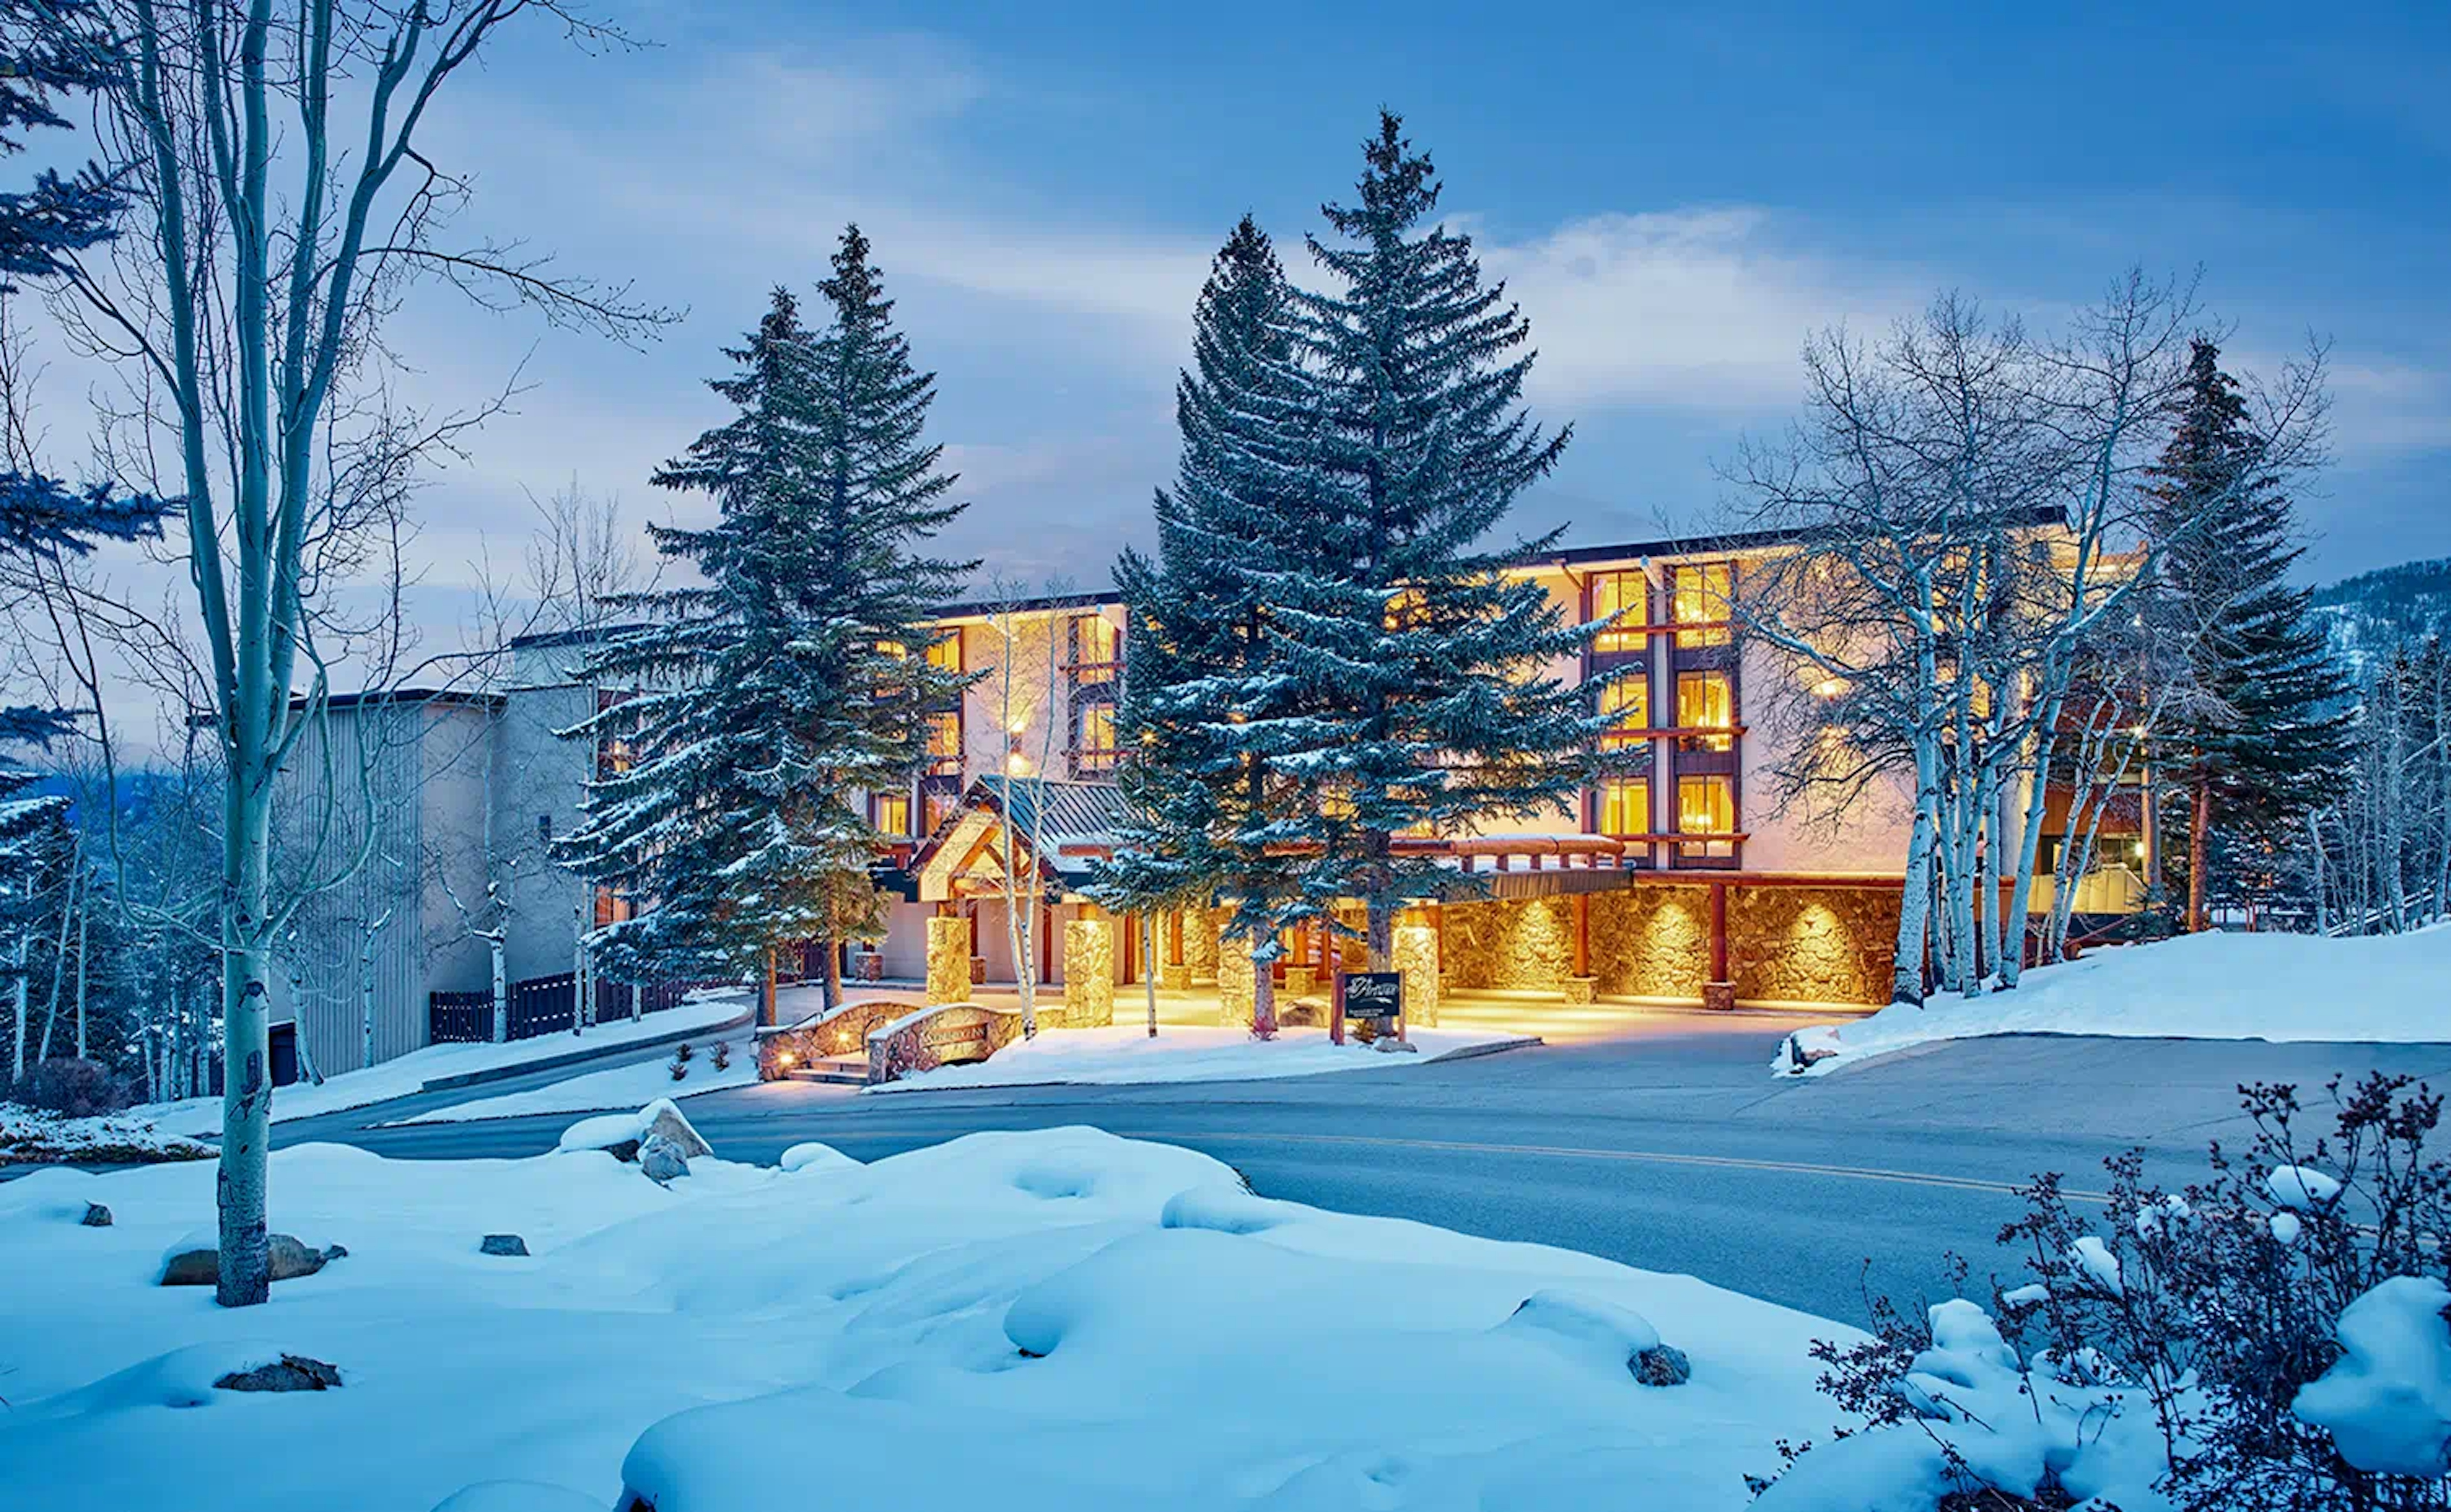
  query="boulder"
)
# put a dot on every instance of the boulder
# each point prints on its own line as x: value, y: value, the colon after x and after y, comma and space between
x: 1663, y: 1365
x: 291, y: 1372
x: 667, y: 1121
x: 289, y: 1259
x: 96, y: 1216
x: 503, y: 1245
x: 660, y: 1160
x: 1390, y: 1045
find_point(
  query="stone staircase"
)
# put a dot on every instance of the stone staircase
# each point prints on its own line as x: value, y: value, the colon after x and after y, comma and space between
x: 839, y: 1071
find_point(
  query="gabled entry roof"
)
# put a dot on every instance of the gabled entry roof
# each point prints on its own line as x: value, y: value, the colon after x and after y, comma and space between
x: 1068, y: 822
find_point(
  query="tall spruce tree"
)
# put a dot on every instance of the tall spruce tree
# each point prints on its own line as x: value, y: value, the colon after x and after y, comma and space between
x: 2260, y: 744
x: 1202, y: 713
x: 772, y: 699
x: 1418, y: 691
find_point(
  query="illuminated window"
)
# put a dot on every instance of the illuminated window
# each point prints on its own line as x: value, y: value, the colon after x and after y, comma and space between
x: 948, y: 652
x: 614, y: 907
x: 1706, y: 805
x: 1702, y: 599
x: 1629, y: 699
x: 1705, y: 701
x: 944, y: 742
x: 1625, y: 806
x: 941, y: 805
x: 889, y: 813
x: 1614, y: 591
x: 1093, y: 741
x: 1093, y: 649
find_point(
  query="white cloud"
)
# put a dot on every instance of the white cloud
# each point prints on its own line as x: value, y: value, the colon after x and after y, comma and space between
x: 1700, y: 310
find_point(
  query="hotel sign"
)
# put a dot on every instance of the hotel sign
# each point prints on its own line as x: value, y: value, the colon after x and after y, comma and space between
x: 1371, y: 995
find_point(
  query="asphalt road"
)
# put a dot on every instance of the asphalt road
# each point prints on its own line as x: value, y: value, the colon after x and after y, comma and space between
x: 1670, y: 1149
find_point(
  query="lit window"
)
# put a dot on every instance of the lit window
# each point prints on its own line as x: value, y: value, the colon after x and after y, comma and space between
x: 1093, y: 649
x: 1629, y: 699
x: 1706, y: 805
x: 1625, y: 807
x: 1616, y: 591
x: 946, y: 653
x: 1093, y: 747
x: 1706, y: 701
x: 614, y: 907
x: 1702, y: 599
x: 889, y: 813
x: 944, y: 742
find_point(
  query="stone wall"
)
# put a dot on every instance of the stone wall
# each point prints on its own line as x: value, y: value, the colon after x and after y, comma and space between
x: 1652, y: 940
x: 1813, y: 945
x: 1089, y: 973
x: 1518, y: 945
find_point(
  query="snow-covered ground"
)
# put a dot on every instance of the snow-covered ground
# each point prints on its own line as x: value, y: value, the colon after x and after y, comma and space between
x: 2389, y: 989
x: 615, y: 1085
x: 1184, y: 1053
x: 29, y: 1135
x: 1025, y: 1320
x: 408, y: 1073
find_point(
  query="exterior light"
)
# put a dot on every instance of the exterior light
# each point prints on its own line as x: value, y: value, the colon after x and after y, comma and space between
x: 1828, y: 687
x: 1017, y: 764
x: 784, y: 1057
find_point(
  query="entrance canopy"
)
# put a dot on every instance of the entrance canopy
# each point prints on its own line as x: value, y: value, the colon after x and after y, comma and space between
x: 1051, y: 831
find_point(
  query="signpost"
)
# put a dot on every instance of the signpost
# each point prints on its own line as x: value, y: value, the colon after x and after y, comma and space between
x: 1375, y: 996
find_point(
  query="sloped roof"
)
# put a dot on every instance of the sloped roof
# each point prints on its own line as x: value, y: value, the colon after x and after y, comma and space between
x: 1062, y: 814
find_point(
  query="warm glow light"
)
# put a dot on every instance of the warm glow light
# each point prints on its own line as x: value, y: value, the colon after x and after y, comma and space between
x: 1020, y: 723
x: 1828, y: 687
x: 784, y: 1057
x: 1017, y: 764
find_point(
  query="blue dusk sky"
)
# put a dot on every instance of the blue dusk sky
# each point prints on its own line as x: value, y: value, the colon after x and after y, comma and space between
x: 1675, y: 195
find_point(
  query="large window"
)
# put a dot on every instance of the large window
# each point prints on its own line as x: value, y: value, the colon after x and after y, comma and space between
x: 889, y: 813
x: 1629, y: 699
x: 1625, y: 807
x: 1612, y: 591
x: 945, y: 743
x: 946, y: 653
x: 1705, y: 701
x: 1092, y: 647
x: 1706, y: 805
x: 1701, y: 600
x: 1093, y: 739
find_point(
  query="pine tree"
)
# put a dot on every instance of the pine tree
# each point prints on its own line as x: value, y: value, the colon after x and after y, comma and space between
x: 1203, y: 701
x: 770, y: 700
x: 1416, y: 667
x: 2258, y: 746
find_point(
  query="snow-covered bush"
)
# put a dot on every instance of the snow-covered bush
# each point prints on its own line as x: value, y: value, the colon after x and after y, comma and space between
x: 2269, y: 1338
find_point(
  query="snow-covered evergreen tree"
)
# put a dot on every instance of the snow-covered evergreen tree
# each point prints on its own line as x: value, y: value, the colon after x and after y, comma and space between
x: 2255, y: 752
x: 769, y: 701
x: 1204, y: 704
x: 1417, y: 683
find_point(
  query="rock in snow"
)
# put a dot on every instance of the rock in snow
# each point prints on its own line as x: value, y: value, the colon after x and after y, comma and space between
x: 289, y: 1259
x: 662, y: 1160
x: 291, y: 1372
x: 502, y: 1244
x: 2386, y: 1402
x: 96, y: 1216
x: 623, y: 1135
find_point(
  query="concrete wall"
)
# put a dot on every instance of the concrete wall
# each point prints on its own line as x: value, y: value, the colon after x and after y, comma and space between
x: 538, y: 780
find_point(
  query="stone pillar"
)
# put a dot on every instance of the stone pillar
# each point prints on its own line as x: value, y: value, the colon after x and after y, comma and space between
x: 948, y: 959
x: 1582, y: 989
x: 1301, y: 981
x: 1174, y: 976
x: 1088, y: 974
x: 1417, y: 957
x: 1235, y: 987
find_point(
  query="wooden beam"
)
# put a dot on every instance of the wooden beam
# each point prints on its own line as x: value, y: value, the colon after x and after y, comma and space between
x: 1719, y: 932
x: 1582, y: 910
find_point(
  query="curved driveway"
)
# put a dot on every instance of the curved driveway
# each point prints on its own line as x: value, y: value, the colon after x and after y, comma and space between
x: 1669, y: 1148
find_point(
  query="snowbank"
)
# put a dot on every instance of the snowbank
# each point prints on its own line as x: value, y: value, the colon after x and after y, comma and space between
x: 408, y: 1073
x: 1027, y: 1321
x: 29, y: 1136
x: 1126, y: 1054
x: 2386, y: 989
x: 614, y: 1087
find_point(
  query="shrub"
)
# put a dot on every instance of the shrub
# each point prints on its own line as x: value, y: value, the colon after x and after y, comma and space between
x: 2160, y: 1342
x: 681, y: 1053
x: 723, y: 1054
x: 73, y: 1089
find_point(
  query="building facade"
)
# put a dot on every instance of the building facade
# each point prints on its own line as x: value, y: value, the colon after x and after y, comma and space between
x: 1685, y: 880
